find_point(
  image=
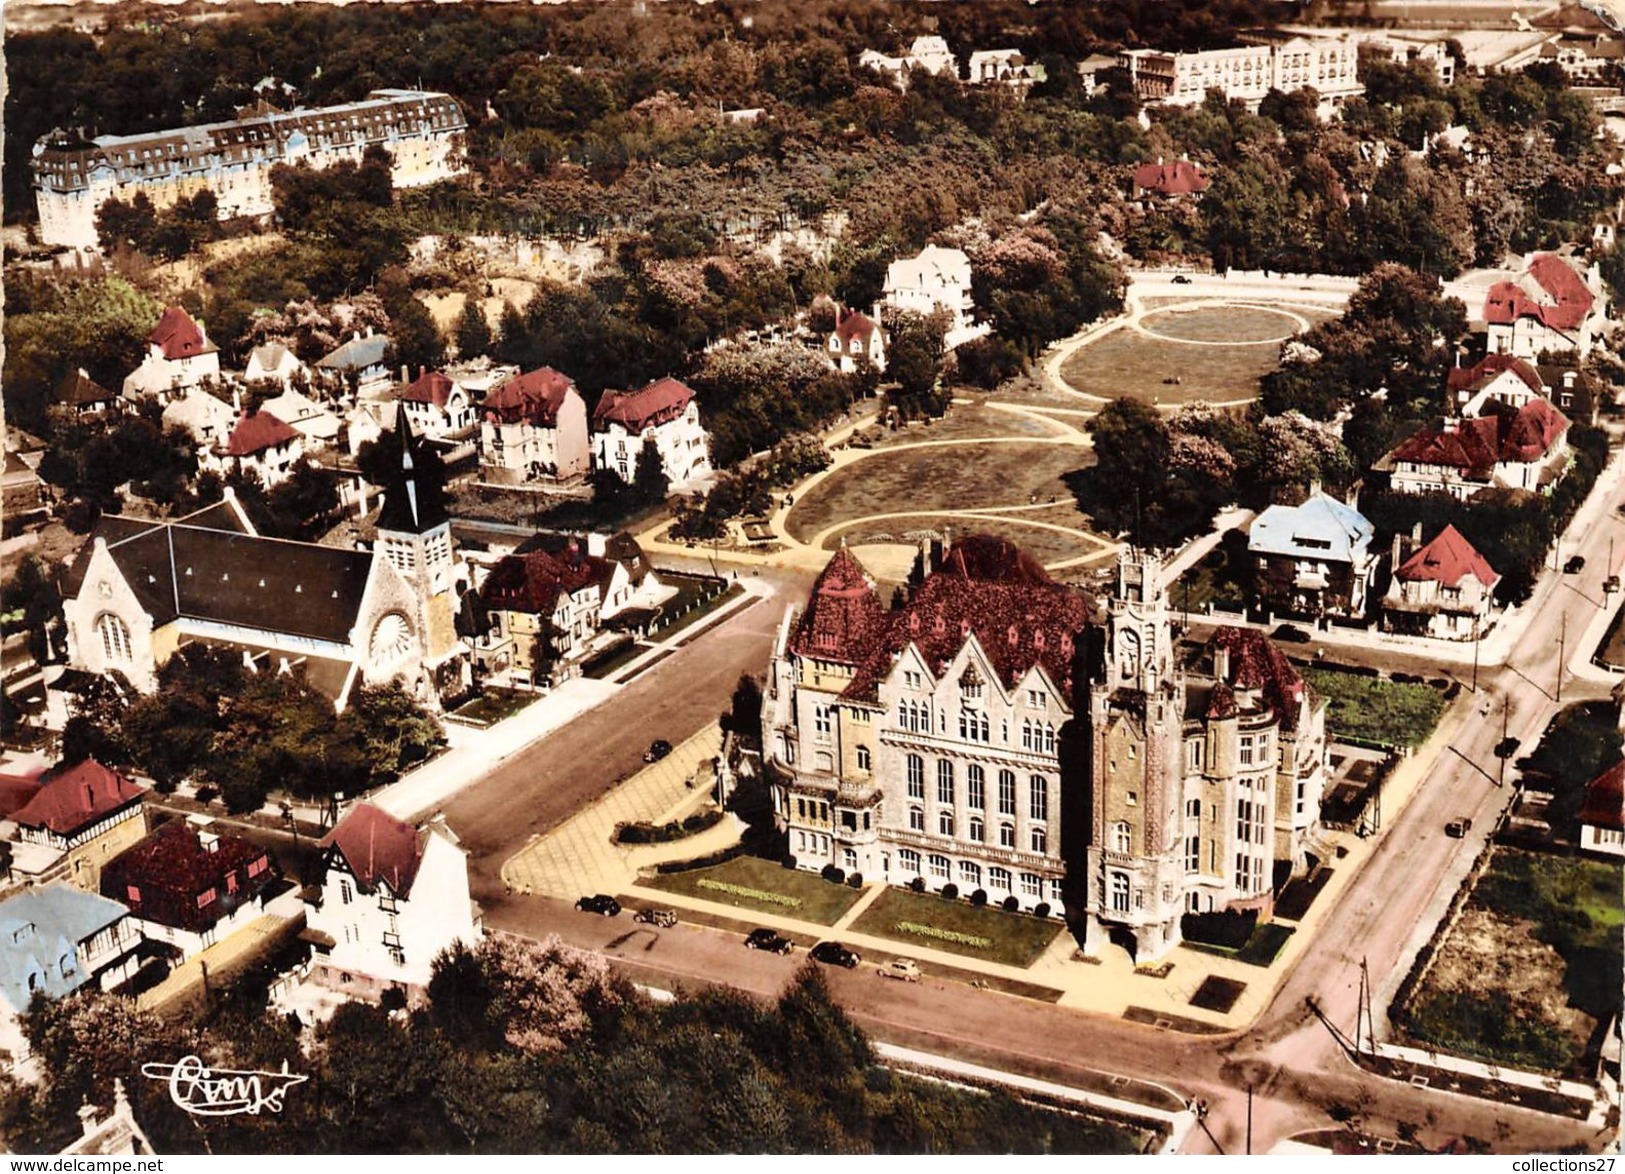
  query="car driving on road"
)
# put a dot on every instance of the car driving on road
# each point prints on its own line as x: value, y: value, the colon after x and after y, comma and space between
x: 664, y: 918
x: 901, y: 968
x: 836, y: 954
x: 767, y: 939
x: 1457, y: 828
x: 599, y: 903
x: 658, y: 749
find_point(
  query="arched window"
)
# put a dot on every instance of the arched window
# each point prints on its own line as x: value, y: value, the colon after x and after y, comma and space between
x: 1122, y: 837
x: 916, y: 777
x: 1007, y: 792
x: 976, y: 832
x: 1040, y: 841
x: 1038, y: 797
x: 863, y: 758
x: 945, y: 781
x: 916, y: 819
x: 969, y: 873
x: 975, y: 788
x: 1049, y: 738
x: 1007, y: 835
x: 115, y: 638
x: 945, y: 824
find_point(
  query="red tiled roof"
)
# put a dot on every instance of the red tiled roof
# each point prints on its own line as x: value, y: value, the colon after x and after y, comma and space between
x: 378, y: 848
x: 1446, y: 560
x: 853, y: 324
x: 430, y: 387
x: 171, y: 869
x: 79, y: 389
x: 843, y: 616
x: 1480, y: 374
x: 1019, y: 622
x: 535, y: 396
x: 1178, y: 178
x: 257, y: 433
x: 178, y: 337
x: 1604, y: 805
x: 15, y: 792
x: 1570, y: 299
x: 1500, y: 434
x: 75, y: 797
x: 655, y: 403
x: 1256, y: 663
x: 531, y: 582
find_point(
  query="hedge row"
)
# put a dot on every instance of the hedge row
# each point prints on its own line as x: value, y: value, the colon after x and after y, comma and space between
x: 648, y: 833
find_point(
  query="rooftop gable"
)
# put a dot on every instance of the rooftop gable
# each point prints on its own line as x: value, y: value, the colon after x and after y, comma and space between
x: 177, y: 336
x: 1321, y: 528
x: 649, y: 406
x: 185, y: 878
x: 1447, y: 560
x: 257, y: 432
x: 1604, y: 805
x: 72, y: 798
x: 37, y: 928
x: 378, y: 849
x: 535, y: 396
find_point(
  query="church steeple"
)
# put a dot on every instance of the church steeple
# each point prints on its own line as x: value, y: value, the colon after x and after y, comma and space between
x: 413, y: 498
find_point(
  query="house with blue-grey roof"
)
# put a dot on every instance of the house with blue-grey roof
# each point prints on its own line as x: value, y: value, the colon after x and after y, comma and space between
x: 54, y: 941
x: 1313, y: 559
x: 359, y: 365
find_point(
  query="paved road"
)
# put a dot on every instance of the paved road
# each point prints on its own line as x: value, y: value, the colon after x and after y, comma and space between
x: 551, y: 780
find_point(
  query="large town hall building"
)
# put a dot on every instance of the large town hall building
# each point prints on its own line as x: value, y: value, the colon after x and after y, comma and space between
x: 1001, y: 733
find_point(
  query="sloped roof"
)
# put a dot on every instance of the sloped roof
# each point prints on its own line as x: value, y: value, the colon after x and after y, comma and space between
x: 37, y: 928
x: 172, y: 868
x: 650, y: 405
x: 178, y: 336
x: 531, y: 582
x: 412, y: 504
x: 1446, y: 560
x: 378, y: 848
x: 269, y: 356
x: 1018, y: 622
x: 256, y: 433
x: 535, y: 396
x: 1481, y: 374
x: 1550, y: 291
x: 1322, y: 528
x: 1604, y: 805
x: 74, y: 797
x: 1256, y: 663
x: 79, y: 389
x: 844, y: 615
x: 430, y: 387
x: 356, y: 355
x: 1523, y: 435
x: 850, y: 324
x: 1181, y: 177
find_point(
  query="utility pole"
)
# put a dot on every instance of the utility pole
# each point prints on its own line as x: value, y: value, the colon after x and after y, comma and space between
x: 1249, y: 1118
x: 1506, y: 706
x: 1562, y: 640
x: 1478, y: 634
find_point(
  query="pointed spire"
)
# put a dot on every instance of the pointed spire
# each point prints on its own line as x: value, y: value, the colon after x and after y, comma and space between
x: 412, y: 502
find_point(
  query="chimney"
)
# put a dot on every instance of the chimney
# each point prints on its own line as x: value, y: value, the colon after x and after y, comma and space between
x: 1416, y: 533
x: 1394, y: 557
x: 83, y: 374
x: 596, y: 544
x: 1314, y: 487
x: 87, y: 1118
x: 406, y: 373
x: 1221, y: 662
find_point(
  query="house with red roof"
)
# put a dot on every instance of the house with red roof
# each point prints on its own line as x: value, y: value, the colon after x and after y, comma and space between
x: 533, y: 427
x: 662, y: 413
x: 1552, y: 306
x: 258, y: 443
x: 557, y: 598
x: 189, y: 885
x: 1179, y: 179
x: 179, y: 355
x: 857, y: 340
x: 1602, y: 813
x: 1496, y: 378
x: 69, y: 821
x: 439, y: 407
x: 1504, y: 448
x: 1443, y: 588
x: 391, y: 899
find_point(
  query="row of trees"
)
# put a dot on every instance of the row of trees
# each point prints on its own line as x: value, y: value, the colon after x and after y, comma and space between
x: 531, y: 1047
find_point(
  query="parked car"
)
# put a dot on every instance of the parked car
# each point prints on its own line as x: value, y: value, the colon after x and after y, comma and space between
x: 836, y: 954
x: 664, y: 918
x: 1575, y: 565
x: 1457, y: 828
x: 901, y: 968
x: 1506, y: 747
x: 1292, y: 635
x: 1181, y: 279
x: 599, y: 903
x: 658, y: 749
x: 767, y: 939
x: 1610, y: 584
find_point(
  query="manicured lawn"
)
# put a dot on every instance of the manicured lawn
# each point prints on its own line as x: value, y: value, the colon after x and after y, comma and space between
x: 1014, y: 939
x: 605, y: 663
x: 754, y: 883
x: 493, y: 705
x: 1376, y: 711
x: 1532, y: 966
x: 1231, y: 324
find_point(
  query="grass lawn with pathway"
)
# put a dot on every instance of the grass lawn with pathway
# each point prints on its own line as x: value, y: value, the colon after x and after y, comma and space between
x: 1015, y: 939
x: 761, y: 886
x: 1373, y: 710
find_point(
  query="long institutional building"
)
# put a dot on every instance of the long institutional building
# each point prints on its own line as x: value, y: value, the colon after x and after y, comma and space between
x: 73, y: 177
x: 1247, y: 73
x: 999, y: 732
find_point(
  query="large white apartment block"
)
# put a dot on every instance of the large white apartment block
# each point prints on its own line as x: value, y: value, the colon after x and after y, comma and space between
x: 935, y: 279
x: 1246, y: 73
x: 73, y: 176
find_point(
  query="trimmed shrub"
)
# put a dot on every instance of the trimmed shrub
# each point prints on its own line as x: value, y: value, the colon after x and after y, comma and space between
x: 788, y: 862
x: 648, y: 833
x: 951, y: 891
x: 1041, y: 909
x: 979, y: 898
x: 917, y: 884
x: 1011, y: 904
x: 832, y: 874
x: 207, y: 794
x: 855, y: 880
